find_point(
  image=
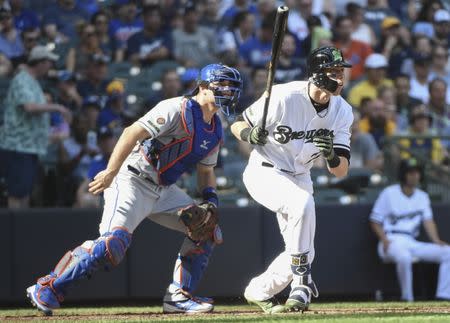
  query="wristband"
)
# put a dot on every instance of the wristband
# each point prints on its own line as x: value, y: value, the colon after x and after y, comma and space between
x: 209, y: 194
x: 244, y: 134
x: 334, y: 162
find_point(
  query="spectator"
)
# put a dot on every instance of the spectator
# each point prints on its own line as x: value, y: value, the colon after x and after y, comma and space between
x: 256, y: 51
x: 377, y: 122
x: 424, y: 22
x: 211, y: 17
x: 265, y: 8
x: 61, y: 19
x: 421, y: 47
x: 376, y: 65
x: 112, y: 115
x: 95, y: 77
x: 10, y: 41
x: 236, y: 8
x: 439, y: 62
x: 289, y: 68
x: 100, y: 21
x: 152, y: 43
x: 374, y: 14
x: 30, y: 38
x: 299, y: 14
x: 241, y: 30
x: 360, y: 30
x: 438, y: 106
x: 67, y: 94
x: 91, y: 108
x: 403, y: 101
x: 194, y: 45
x: 88, y: 45
x: 365, y: 152
x: 25, y: 130
x: 420, y: 80
x: 354, y: 51
x: 106, y: 143
x: 441, y: 28
x: 396, y: 217
x: 420, y: 121
x: 125, y: 26
x: 24, y: 19
x: 394, y: 44
x: 76, y: 154
x: 170, y: 87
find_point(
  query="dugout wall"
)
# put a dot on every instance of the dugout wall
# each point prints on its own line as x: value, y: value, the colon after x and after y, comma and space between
x: 346, y: 264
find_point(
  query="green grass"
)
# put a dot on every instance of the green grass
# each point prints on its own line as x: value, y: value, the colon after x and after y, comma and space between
x: 365, y: 312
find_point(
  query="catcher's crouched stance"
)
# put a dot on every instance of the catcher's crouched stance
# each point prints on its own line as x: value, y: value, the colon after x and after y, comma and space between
x: 173, y: 137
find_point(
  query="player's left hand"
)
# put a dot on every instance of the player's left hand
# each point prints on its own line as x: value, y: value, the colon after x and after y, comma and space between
x: 201, y: 221
x: 101, y: 181
x: 325, y: 145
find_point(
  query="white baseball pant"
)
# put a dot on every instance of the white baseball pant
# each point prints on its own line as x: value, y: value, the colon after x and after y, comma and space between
x: 404, y: 249
x: 291, y: 198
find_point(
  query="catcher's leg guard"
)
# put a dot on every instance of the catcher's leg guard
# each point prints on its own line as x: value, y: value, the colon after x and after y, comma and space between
x: 303, y: 286
x: 106, y: 251
x: 189, y: 268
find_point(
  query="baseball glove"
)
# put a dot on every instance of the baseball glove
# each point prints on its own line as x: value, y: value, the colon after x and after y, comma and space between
x: 200, y: 220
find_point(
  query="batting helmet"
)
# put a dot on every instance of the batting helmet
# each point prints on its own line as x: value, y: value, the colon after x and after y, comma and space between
x: 319, y: 60
x: 407, y: 165
x: 226, y: 96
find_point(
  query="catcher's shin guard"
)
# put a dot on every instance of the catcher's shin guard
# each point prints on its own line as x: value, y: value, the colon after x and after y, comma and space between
x: 105, y: 252
x: 189, y: 268
x: 303, y: 286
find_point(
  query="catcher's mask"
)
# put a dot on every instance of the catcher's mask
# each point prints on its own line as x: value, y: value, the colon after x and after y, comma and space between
x: 321, y: 59
x: 407, y: 165
x: 226, y: 97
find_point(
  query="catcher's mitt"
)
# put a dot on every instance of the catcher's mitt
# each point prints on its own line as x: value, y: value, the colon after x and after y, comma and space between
x: 200, y: 220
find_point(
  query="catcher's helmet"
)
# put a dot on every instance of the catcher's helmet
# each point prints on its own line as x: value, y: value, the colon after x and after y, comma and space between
x: 319, y: 60
x: 407, y: 165
x: 226, y: 96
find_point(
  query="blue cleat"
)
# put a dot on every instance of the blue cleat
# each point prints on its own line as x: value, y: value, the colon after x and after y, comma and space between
x: 43, y: 298
x: 189, y: 306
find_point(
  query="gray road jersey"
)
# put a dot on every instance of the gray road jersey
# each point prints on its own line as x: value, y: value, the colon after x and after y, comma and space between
x: 163, y: 122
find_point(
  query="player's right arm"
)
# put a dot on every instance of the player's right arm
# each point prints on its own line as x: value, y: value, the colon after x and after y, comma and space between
x: 380, y: 209
x: 123, y: 148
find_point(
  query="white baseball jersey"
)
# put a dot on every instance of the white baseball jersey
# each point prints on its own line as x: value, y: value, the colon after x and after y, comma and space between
x: 398, y: 213
x: 164, y: 123
x: 292, y: 122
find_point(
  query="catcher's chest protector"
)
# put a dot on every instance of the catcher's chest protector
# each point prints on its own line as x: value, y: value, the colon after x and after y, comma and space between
x: 173, y: 159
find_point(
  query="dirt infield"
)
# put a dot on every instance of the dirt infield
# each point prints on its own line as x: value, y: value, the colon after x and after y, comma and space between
x: 223, y: 315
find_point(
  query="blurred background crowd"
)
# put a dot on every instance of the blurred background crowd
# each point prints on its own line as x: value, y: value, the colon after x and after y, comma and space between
x: 103, y: 64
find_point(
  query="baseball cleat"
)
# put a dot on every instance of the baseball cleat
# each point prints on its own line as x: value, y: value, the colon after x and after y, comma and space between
x: 203, y: 299
x: 37, y: 294
x: 188, y: 306
x: 299, y: 299
x: 269, y: 306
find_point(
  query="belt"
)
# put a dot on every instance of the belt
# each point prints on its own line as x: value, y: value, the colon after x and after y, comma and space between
x: 136, y: 172
x: 266, y: 164
x: 399, y: 232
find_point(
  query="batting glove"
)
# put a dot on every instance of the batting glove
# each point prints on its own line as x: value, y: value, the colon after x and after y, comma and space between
x: 258, y: 136
x: 325, y: 145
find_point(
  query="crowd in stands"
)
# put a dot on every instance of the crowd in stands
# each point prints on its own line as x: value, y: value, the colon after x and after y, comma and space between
x: 101, y: 64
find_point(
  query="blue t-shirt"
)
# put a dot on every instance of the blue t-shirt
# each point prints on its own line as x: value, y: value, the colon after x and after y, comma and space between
x: 122, y: 31
x: 140, y: 44
x: 26, y: 19
x: 98, y: 164
x: 108, y: 118
x: 65, y: 20
x: 256, y: 53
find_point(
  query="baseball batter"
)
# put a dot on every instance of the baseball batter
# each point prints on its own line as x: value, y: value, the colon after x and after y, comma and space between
x: 305, y: 120
x: 177, y: 135
x: 396, y: 218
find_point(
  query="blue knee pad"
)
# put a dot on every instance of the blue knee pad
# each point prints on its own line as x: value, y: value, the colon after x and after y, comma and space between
x: 191, y: 264
x: 103, y: 253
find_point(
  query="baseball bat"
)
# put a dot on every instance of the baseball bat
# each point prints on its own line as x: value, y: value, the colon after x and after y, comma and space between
x: 278, y: 35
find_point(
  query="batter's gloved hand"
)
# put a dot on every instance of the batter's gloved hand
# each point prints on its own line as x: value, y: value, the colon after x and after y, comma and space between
x: 201, y: 221
x: 325, y: 145
x: 258, y: 136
